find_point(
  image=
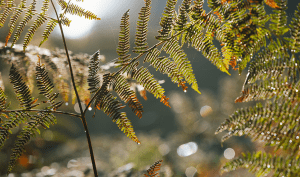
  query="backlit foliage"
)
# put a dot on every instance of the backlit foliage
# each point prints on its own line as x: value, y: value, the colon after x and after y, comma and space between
x: 273, y: 80
x: 40, y: 18
x: 241, y: 27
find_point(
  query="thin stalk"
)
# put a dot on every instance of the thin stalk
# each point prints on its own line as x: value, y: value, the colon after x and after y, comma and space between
x: 77, y: 96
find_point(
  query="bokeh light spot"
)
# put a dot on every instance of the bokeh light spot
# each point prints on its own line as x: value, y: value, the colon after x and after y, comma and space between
x: 205, y: 111
x: 190, y: 171
x: 187, y: 149
x: 229, y: 153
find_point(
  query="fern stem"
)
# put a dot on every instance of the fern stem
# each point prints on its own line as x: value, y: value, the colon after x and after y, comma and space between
x: 46, y: 111
x: 83, y: 119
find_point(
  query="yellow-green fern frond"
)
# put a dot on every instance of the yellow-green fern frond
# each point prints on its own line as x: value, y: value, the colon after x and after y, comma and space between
x: 122, y: 88
x: 183, y: 64
x: 279, y: 19
x: 41, y: 19
x: 165, y: 66
x: 79, y: 11
x: 124, y: 125
x: 63, y: 4
x: 65, y: 20
x: 124, y: 45
x: 166, y: 21
x: 2, y: 101
x: 145, y: 78
x: 14, y: 119
x: 295, y: 32
x: 182, y: 15
x: 49, y: 28
x: 14, y: 18
x: 21, y: 89
x: 142, y: 28
x: 30, y: 12
x: 9, y: 7
x: 262, y: 164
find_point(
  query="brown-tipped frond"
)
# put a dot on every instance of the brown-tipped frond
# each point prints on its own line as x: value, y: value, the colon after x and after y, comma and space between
x: 154, y: 169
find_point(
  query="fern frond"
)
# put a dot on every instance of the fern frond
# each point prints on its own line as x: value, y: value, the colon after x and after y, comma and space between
x: 165, y: 66
x: 21, y: 89
x: 183, y: 64
x: 166, y: 21
x: 124, y: 45
x: 41, y: 19
x: 93, y: 78
x: 110, y: 106
x: 122, y: 88
x: 65, y: 20
x: 30, y: 12
x: 15, y: 118
x: 41, y: 119
x: 14, y: 18
x: 295, y: 32
x: 49, y: 28
x: 63, y: 4
x: 2, y: 101
x: 154, y: 169
x: 262, y: 164
x: 145, y: 78
x: 124, y: 125
x: 79, y: 11
x: 142, y: 28
x: 279, y: 19
x: 9, y: 7
x: 45, y: 86
x: 182, y: 15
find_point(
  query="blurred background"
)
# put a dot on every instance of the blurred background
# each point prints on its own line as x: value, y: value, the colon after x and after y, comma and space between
x: 183, y: 135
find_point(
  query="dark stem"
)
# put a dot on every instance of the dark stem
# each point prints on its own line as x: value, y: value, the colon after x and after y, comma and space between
x: 77, y: 96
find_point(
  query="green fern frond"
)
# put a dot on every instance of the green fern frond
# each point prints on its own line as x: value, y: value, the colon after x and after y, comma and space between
x: 124, y: 45
x: 93, y: 78
x: 30, y: 12
x: 166, y: 21
x: 45, y: 86
x: 262, y: 164
x: 183, y: 64
x: 14, y: 18
x: 41, y: 19
x: 41, y: 119
x: 49, y: 28
x: 21, y: 89
x: 124, y: 125
x: 122, y: 88
x: 9, y: 7
x: 79, y: 11
x: 142, y: 28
